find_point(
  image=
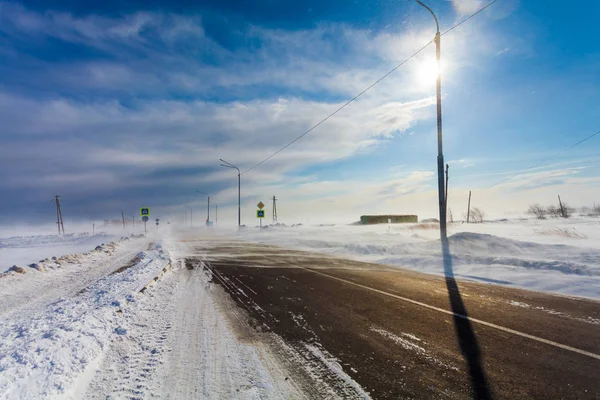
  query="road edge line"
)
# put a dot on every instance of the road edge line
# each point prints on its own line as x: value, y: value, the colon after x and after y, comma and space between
x: 475, y: 320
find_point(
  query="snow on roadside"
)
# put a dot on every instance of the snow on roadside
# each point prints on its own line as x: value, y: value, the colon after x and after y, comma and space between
x: 553, y: 256
x: 47, y: 353
x: 336, y: 369
x: 29, y: 288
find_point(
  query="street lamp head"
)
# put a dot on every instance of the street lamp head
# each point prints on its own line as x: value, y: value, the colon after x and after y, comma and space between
x: 437, y: 25
x: 227, y: 164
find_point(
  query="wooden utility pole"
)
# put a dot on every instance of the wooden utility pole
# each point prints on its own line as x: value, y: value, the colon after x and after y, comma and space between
x: 274, y: 210
x: 123, y: 217
x: 216, y: 213
x: 59, y: 218
x: 469, y: 207
x: 562, y: 209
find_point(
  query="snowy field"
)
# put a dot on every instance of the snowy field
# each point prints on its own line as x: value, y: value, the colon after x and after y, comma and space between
x: 560, y: 256
x: 26, y: 245
x: 24, y: 250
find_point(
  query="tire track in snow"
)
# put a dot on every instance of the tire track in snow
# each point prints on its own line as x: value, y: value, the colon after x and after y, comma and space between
x: 131, y: 362
x: 318, y: 372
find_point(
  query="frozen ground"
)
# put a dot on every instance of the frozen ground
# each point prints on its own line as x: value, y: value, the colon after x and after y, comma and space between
x: 561, y: 256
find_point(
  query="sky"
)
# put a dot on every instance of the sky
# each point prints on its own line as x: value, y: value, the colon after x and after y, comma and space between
x: 118, y: 105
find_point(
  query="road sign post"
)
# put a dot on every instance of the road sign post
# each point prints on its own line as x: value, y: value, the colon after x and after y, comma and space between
x: 260, y: 213
x: 145, y: 219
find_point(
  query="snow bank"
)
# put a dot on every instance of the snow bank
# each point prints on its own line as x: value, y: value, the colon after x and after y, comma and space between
x: 554, y: 255
x: 49, y: 352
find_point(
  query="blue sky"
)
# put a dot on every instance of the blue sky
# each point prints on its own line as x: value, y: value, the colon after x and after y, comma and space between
x: 117, y: 105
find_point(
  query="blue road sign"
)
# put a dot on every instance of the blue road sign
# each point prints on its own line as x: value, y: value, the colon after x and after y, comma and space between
x: 260, y: 213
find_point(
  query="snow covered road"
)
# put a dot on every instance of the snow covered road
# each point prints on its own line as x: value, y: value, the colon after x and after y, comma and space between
x: 121, y: 323
x: 179, y: 345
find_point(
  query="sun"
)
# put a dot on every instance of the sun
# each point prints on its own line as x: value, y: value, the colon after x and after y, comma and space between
x: 427, y: 72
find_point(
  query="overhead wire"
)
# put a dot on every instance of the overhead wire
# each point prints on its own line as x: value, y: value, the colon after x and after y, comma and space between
x: 347, y: 103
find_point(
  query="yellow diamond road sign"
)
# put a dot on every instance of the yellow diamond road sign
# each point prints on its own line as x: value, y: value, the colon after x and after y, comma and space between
x: 260, y: 205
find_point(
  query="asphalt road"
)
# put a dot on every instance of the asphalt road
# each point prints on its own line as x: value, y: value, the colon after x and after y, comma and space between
x: 402, y: 334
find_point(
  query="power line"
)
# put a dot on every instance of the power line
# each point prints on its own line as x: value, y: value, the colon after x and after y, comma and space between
x: 546, y: 159
x: 338, y: 109
x: 469, y: 17
x: 581, y: 141
x: 357, y: 96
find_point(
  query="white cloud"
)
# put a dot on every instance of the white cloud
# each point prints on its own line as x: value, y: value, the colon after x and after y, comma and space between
x: 177, y: 134
x: 533, y: 180
x: 467, y: 7
x: 167, y: 135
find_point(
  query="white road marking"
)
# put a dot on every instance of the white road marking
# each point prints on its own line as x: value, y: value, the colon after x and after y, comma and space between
x: 478, y: 321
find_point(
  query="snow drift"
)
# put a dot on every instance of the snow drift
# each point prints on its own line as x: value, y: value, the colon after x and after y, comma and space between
x: 537, y: 255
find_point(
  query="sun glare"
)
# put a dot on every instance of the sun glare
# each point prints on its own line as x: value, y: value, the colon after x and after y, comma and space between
x: 427, y: 72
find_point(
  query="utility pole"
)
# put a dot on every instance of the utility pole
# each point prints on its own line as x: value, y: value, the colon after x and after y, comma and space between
x: 446, y: 192
x: 274, y: 209
x: 207, y: 206
x: 230, y: 165
x: 216, y: 213
x: 59, y: 218
x: 123, y: 217
x: 562, y: 209
x: 469, y: 207
x: 93, y: 229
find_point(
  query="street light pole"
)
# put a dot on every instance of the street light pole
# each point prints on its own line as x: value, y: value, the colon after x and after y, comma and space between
x: 440, y: 158
x: 208, y: 207
x: 230, y: 165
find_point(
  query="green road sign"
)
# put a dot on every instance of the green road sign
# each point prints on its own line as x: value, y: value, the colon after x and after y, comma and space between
x: 145, y: 212
x: 260, y: 213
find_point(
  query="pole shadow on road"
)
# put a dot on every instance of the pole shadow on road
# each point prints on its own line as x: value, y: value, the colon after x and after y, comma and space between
x: 464, y: 330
